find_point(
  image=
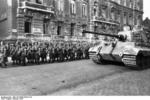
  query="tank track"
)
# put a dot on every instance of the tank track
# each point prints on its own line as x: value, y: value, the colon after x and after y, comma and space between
x: 94, y: 57
x: 129, y: 60
x: 139, y: 61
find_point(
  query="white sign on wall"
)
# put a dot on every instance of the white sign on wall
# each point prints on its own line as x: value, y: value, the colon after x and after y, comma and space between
x: 37, y: 30
x: 14, y: 30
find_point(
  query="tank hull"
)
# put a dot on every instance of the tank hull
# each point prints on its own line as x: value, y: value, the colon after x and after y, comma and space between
x: 123, y: 52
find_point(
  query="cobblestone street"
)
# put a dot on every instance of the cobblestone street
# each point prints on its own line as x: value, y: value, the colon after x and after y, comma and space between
x: 74, y: 78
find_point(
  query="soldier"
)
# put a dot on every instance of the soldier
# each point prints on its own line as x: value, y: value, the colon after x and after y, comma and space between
x: 56, y: 52
x: 87, y: 52
x: 23, y: 55
x: 50, y: 52
x: 13, y: 54
x: 32, y: 55
x: 3, y: 57
x: 43, y: 55
x: 65, y: 53
x: 78, y: 52
x: 53, y: 54
x: 60, y: 51
x: 71, y: 55
x: 37, y: 55
x: 17, y: 55
x: 29, y: 54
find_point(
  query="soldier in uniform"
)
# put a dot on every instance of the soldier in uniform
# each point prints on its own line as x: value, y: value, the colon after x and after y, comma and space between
x: 23, y: 55
x: 3, y: 56
x: 61, y: 56
x: 64, y: 51
x: 71, y: 54
x: 16, y: 54
x: 29, y: 54
x: 13, y: 54
x: 37, y: 54
x: 87, y: 52
x: 43, y: 55
x: 51, y: 53
x: 78, y: 52
x: 56, y: 52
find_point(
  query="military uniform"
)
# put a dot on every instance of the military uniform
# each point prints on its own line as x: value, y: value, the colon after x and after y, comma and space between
x: 23, y: 56
x: 3, y: 56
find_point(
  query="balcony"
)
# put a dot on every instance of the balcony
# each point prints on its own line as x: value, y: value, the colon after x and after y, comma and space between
x: 103, y: 20
x: 36, y: 7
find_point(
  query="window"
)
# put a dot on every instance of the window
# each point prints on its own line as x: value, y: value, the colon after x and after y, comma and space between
x: 130, y: 3
x: 125, y: 18
x: 104, y: 13
x: 72, y: 29
x: 45, y: 27
x: 84, y: 28
x: 139, y: 5
x: 130, y: 19
x: 95, y: 30
x: 39, y: 1
x: 118, y: 1
x: 139, y: 20
x: 112, y: 14
x: 59, y: 30
x: 124, y: 2
x: 61, y: 5
x: 27, y: 26
x: 119, y: 17
x: 84, y: 10
x: 73, y: 7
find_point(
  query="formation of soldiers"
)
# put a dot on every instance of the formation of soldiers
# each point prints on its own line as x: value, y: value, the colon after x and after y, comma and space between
x: 39, y: 53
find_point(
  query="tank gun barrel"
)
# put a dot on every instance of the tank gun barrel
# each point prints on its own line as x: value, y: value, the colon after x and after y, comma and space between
x: 101, y: 33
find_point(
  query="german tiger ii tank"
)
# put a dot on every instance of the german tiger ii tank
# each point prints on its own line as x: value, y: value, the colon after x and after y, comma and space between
x: 129, y: 47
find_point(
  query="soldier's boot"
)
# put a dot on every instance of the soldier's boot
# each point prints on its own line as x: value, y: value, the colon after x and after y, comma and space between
x: 4, y: 65
x: 13, y: 62
x: 24, y: 63
x: 50, y: 60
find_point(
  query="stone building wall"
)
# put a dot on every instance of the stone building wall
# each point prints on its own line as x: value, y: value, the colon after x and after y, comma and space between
x: 62, y: 19
x: 111, y: 15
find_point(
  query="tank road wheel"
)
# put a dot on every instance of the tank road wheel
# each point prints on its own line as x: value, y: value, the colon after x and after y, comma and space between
x: 100, y: 59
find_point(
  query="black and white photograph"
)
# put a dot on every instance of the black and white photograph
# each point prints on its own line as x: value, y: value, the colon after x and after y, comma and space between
x: 74, y: 48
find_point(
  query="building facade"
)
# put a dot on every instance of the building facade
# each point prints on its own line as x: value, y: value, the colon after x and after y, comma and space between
x: 65, y: 19
x: 111, y: 15
x: 71, y: 17
x: 4, y: 20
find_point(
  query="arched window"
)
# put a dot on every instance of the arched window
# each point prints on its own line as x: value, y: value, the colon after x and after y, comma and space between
x: 112, y: 13
x: 125, y: 18
x: 95, y: 8
x: 139, y: 20
x: 61, y: 5
x: 104, y: 11
x: 130, y: 4
x: 119, y: 16
x: 84, y: 10
x: 130, y: 19
x: 73, y: 6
